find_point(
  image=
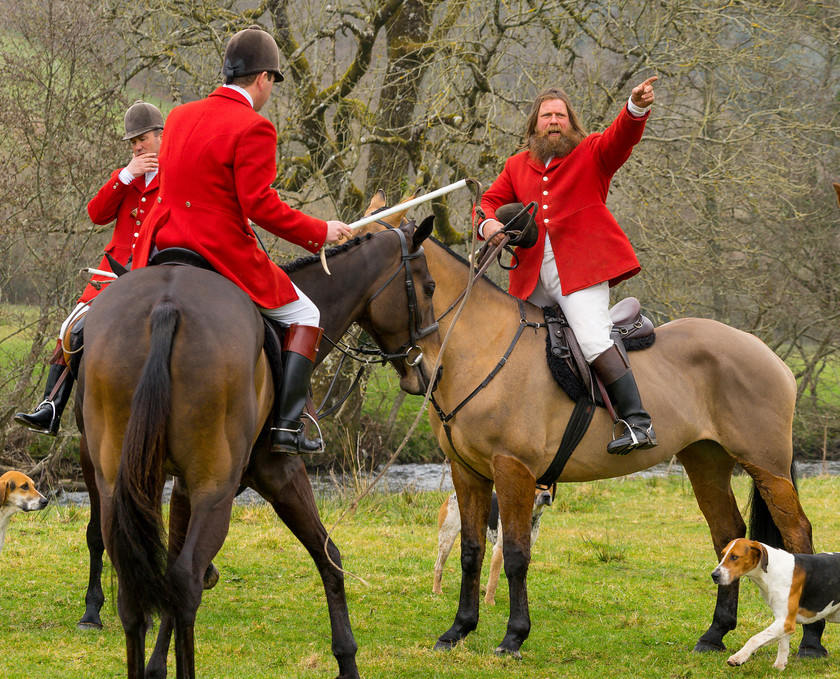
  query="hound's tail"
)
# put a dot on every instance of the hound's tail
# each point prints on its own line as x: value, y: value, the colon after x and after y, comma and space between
x: 136, y: 532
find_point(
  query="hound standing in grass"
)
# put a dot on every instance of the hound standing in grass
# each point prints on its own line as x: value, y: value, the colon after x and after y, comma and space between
x: 17, y: 494
x: 449, y: 525
x: 799, y: 588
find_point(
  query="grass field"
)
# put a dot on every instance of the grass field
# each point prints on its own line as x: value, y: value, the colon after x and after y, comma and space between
x: 619, y: 587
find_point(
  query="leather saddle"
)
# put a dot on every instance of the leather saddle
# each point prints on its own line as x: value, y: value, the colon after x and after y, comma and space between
x: 177, y: 257
x: 631, y: 331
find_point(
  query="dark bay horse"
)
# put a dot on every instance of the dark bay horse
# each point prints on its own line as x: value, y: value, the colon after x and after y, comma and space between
x: 174, y: 380
x: 718, y: 397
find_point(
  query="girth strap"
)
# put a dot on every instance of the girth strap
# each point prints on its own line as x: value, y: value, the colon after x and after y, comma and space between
x: 575, y: 429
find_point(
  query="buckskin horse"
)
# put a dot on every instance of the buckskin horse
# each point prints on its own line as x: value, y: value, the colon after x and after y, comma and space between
x: 174, y: 380
x: 718, y: 397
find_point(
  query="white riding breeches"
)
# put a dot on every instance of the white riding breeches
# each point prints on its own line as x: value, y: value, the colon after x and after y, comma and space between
x: 78, y: 312
x: 587, y: 310
x: 302, y: 311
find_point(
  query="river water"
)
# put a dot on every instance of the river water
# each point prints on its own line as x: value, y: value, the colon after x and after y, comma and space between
x: 436, y: 477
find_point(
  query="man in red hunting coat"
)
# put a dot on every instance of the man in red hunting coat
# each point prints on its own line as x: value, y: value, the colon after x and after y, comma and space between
x: 220, y: 158
x: 126, y: 197
x: 581, y: 250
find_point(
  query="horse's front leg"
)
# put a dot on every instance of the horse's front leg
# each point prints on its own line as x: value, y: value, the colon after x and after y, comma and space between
x: 284, y: 483
x: 94, y: 598
x: 515, y: 489
x: 474, y: 505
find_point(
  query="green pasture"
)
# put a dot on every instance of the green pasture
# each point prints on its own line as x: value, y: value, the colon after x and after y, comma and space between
x: 16, y: 323
x: 619, y: 587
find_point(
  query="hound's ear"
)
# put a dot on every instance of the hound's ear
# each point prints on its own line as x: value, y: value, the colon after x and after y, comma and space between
x: 424, y: 231
x: 763, y: 559
x: 2, y: 493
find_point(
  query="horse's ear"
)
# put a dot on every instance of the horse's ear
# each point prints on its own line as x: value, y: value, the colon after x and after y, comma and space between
x: 423, y: 231
x: 377, y: 202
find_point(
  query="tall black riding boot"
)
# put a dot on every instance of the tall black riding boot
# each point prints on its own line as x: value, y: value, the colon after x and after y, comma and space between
x: 621, y: 387
x: 300, y: 345
x: 47, y: 416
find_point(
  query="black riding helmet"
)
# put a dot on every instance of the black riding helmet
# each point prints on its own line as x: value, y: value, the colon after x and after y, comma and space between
x: 520, y: 221
x: 142, y: 117
x: 252, y: 50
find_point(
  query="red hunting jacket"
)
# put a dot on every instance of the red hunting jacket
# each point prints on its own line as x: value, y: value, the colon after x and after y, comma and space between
x: 589, y: 245
x: 129, y: 204
x: 218, y: 163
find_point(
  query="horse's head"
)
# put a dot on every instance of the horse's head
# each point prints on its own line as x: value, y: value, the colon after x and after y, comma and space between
x: 399, y: 315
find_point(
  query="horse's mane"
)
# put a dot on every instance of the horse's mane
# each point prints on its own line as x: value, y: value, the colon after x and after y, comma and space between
x: 303, y: 262
x: 464, y: 261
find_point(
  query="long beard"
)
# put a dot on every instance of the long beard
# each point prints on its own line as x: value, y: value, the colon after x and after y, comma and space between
x: 542, y: 147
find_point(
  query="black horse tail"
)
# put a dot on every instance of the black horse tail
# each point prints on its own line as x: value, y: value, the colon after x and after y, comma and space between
x: 137, y: 530
x: 762, y: 526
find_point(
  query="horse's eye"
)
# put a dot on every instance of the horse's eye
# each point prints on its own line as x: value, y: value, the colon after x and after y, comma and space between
x: 429, y: 289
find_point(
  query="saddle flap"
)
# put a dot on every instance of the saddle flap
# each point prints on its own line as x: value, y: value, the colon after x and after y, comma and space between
x: 631, y: 332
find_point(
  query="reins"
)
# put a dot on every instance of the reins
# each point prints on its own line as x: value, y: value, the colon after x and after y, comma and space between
x: 464, y: 297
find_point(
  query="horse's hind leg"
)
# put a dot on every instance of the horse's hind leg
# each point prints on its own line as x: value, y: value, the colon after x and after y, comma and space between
x: 94, y: 598
x: 515, y: 489
x: 134, y: 626
x: 208, y: 526
x: 474, y: 504
x: 709, y: 469
x: 288, y: 490
x: 780, y: 500
x: 179, y: 518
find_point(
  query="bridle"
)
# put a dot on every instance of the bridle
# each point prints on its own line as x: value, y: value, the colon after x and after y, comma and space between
x: 415, y: 332
x: 366, y: 353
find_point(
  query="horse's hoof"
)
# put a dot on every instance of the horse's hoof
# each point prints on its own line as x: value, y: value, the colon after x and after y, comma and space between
x: 501, y: 650
x: 441, y: 645
x: 211, y: 577
x: 707, y: 647
x: 85, y: 625
x: 812, y: 652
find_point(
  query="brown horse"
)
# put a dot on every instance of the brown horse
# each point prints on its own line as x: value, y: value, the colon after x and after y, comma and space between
x: 174, y: 380
x: 718, y: 397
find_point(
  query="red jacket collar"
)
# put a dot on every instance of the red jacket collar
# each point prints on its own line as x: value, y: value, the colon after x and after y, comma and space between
x: 229, y: 93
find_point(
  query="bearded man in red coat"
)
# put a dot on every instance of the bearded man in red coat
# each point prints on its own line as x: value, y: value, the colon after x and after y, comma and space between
x: 126, y: 197
x: 219, y: 155
x: 581, y: 251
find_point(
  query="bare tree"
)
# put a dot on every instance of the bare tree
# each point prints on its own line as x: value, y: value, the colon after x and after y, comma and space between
x: 727, y: 199
x: 60, y: 114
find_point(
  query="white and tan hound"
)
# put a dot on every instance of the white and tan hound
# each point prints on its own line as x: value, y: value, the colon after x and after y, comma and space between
x: 449, y: 525
x: 17, y: 494
x: 799, y: 588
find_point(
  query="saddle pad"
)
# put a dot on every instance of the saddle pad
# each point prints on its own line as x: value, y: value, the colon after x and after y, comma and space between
x: 569, y: 381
